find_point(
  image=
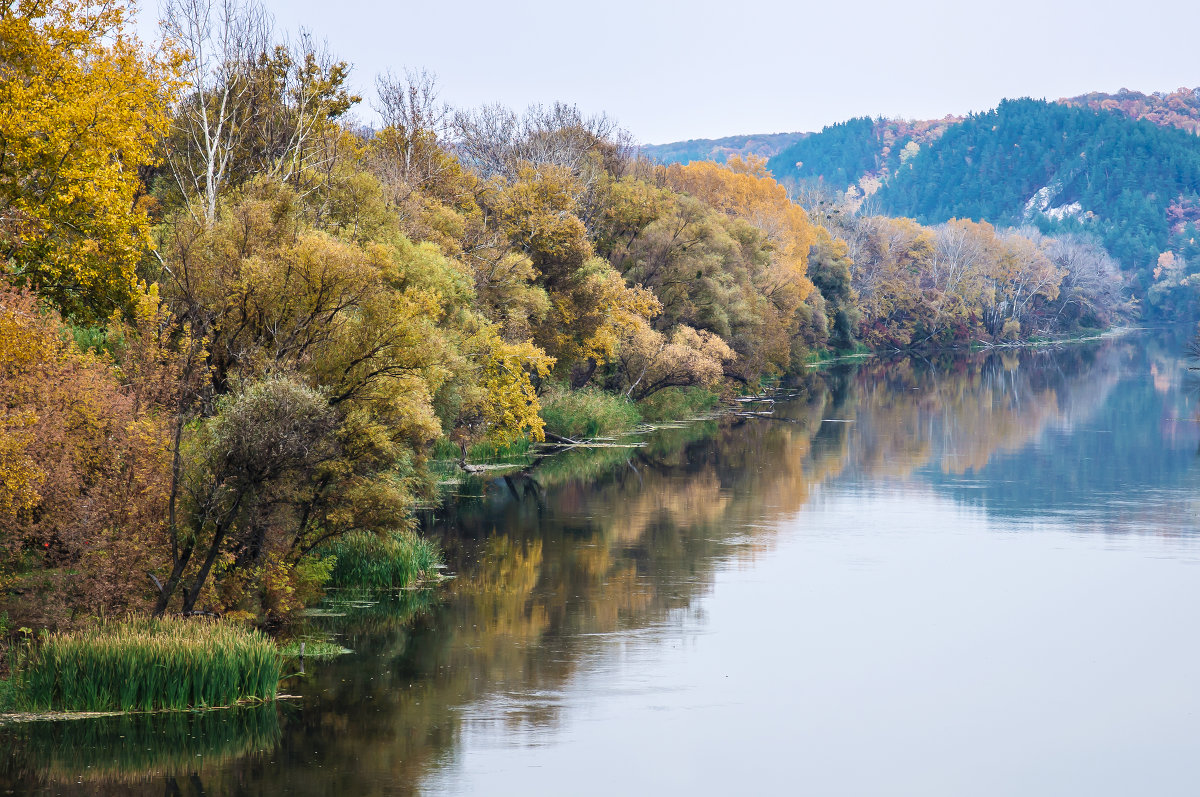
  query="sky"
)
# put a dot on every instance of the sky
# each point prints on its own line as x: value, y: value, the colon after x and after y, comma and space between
x: 702, y: 69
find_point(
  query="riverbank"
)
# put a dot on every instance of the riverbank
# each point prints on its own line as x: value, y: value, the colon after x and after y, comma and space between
x: 577, y: 418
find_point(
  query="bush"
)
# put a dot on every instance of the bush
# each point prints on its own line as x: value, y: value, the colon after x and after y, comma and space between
x: 390, y: 562
x: 587, y: 413
x: 677, y: 403
x: 148, y: 664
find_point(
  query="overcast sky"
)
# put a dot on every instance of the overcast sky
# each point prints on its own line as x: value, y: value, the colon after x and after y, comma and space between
x: 675, y: 70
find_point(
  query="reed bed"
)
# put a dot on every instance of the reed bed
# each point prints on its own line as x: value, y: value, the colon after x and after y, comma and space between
x: 146, y: 665
x: 587, y: 413
x: 390, y: 562
x: 373, y: 562
x: 677, y: 403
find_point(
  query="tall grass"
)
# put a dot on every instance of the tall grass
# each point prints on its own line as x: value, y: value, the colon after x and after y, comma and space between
x: 589, y: 412
x: 391, y: 562
x: 483, y: 452
x: 144, y: 665
x: 677, y: 403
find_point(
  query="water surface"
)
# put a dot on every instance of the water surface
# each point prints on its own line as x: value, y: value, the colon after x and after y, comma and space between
x: 975, y: 574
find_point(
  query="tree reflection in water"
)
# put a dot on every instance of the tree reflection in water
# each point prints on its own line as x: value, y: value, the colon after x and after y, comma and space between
x: 594, y: 545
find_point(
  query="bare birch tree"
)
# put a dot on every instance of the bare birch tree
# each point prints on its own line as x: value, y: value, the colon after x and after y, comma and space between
x: 221, y: 40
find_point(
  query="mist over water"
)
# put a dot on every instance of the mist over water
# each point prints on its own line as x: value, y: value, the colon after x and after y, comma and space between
x: 970, y: 574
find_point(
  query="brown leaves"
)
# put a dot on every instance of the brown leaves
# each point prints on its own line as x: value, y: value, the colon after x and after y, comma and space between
x: 85, y: 471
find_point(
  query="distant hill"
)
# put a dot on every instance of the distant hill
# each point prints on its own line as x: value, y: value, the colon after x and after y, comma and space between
x: 720, y: 149
x: 1133, y: 184
x: 1179, y: 108
x: 843, y: 154
x: 1122, y: 167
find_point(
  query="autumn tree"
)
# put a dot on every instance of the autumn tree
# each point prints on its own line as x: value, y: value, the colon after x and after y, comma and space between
x: 1092, y: 292
x: 84, y: 465
x: 84, y: 107
x: 650, y: 361
x: 829, y: 267
x: 887, y: 257
x: 415, y: 123
x: 250, y: 105
x: 335, y: 363
x: 1021, y: 276
x: 743, y: 190
x: 494, y: 141
x: 589, y: 304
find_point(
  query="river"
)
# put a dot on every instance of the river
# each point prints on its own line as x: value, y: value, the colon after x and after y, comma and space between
x: 968, y: 574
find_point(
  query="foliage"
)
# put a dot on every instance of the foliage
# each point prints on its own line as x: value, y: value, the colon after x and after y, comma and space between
x: 839, y: 154
x: 848, y: 156
x: 934, y: 286
x: 650, y: 361
x: 84, y: 110
x: 83, y: 462
x: 1067, y: 169
x: 829, y: 268
x: 250, y: 106
x: 1179, y: 108
x: 145, y: 665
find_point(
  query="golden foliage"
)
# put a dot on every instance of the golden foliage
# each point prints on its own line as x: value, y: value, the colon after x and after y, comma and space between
x: 83, y: 110
x: 745, y: 189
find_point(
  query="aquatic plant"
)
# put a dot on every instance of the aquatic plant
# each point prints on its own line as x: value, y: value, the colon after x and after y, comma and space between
x: 382, y: 562
x: 444, y: 448
x: 143, y: 665
x: 313, y: 648
x: 677, y: 403
x: 587, y: 413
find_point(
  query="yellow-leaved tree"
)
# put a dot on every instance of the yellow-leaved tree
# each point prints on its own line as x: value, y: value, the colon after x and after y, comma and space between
x: 83, y: 106
x: 745, y: 191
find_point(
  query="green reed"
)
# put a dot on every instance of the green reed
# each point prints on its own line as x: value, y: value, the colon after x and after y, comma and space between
x: 388, y: 562
x: 145, y: 665
x: 587, y: 413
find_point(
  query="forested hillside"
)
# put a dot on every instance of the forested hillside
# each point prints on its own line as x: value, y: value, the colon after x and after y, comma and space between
x: 879, y: 146
x: 857, y: 151
x: 721, y: 149
x: 1133, y: 184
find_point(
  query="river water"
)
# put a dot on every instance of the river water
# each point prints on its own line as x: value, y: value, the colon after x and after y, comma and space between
x: 976, y: 574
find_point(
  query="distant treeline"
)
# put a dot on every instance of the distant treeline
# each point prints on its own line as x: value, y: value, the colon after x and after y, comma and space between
x: 1121, y: 169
